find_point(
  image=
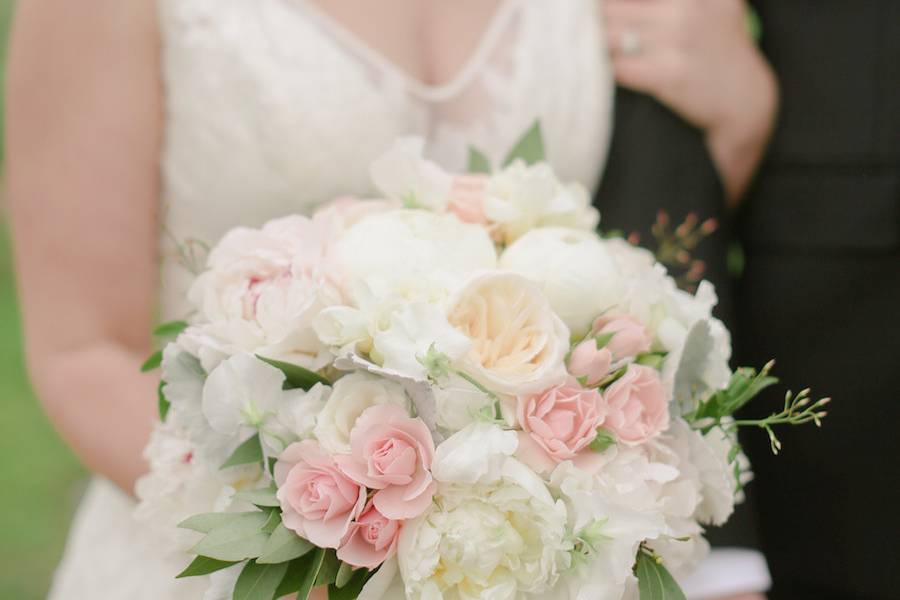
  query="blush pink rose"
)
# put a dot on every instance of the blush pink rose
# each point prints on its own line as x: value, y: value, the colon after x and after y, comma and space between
x: 589, y: 363
x: 372, y: 539
x: 559, y: 424
x: 392, y: 453
x: 317, y: 500
x: 630, y: 336
x: 637, y: 407
x: 467, y: 199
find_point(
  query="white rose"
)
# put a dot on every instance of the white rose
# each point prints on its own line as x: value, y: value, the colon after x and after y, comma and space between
x: 261, y: 292
x: 350, y: 396
x: 413, y: 253
x: 495, y: 539
x: 523, y: 197
x: 402, y: 174
x: 577, y: 273
x: 518, y: 343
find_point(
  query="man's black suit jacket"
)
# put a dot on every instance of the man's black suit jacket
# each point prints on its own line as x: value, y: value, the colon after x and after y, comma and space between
x: 820, y: 285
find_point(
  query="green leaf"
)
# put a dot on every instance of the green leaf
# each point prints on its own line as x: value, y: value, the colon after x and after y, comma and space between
x: 153, y: 362
x: 237, y: 539
x: 352, y: 587
x: 162, y: 402
x: 529, y: 148
x: 206, y: 522
x: 328, y: 572
x: 310, y: 564
x: 602, y: 339
x: 654, y: 580
x: 651, y: 359
x: 478, y: 162
x: 295, y: 375
x: 170, y: 329
x: 605, y: 439
x: 293, y: 578
x: 259, y: 582
x: 264, y: 497
x: 203, y: 565
x: 248, y: 452
x: 344, y: 574
x: 283, y: 546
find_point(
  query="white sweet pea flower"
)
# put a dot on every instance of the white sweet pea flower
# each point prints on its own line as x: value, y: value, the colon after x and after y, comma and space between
x: 295, y: 419
x: 493, y: 532
x: 349, y: 398
x: 415, y: 330
x: 403, y: 174
x: 612, y: 513
x: 577, y: 273
x: 243, y: 392
x: 522, y: 197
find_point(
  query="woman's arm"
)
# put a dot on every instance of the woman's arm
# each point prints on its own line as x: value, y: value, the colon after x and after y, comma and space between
x: 698, y: 58
x: 83, y: 128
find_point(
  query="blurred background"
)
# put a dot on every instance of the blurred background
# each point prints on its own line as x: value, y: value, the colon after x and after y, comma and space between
x: 40, y: 479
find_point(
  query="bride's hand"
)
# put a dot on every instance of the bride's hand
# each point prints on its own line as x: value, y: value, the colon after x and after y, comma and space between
x: 698, y: 58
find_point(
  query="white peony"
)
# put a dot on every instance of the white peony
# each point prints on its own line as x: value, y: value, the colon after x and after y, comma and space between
x: 350, y: 396
x: 261, y: 292
x: 402, y: 174
x: 574, y: 268
x: 518, y: 343
x: 494, y: 531
x: 523, y: 197
x: 180, y: 484
x: 415, y: 254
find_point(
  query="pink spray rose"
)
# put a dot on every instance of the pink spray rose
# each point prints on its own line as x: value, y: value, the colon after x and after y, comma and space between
x: 630, y: 336
x: 637, y: 407
x: 372, y: 539
x: 317, y: 500
x: 590, y: 363
x: 467, y: 199
x: 392, y: 453
x: 559, y: 424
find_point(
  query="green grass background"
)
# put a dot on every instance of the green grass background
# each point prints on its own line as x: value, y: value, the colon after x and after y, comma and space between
x: 40, y: 480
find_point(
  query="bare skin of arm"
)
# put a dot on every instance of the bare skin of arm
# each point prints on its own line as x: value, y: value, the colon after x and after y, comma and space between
x: 84, y: 121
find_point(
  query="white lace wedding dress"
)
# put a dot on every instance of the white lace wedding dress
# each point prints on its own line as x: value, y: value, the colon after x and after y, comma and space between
x: 272, y: 108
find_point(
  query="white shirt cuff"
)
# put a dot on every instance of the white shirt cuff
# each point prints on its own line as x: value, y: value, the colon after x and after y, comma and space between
x: 726, y: 572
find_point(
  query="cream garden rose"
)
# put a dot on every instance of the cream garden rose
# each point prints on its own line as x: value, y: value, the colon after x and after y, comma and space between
x: 518, y: 343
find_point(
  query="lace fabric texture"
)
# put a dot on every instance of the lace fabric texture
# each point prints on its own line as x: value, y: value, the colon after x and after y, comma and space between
x: 273, y: 108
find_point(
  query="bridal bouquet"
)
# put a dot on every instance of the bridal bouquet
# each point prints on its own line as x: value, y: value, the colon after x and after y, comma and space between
x: 459, y: 390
